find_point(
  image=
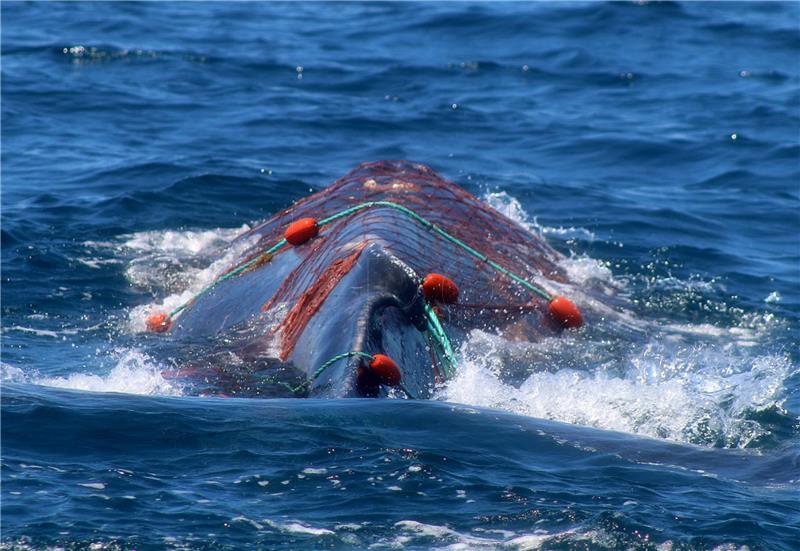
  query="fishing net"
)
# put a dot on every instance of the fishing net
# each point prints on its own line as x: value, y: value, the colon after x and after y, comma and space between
x: 486, y: 295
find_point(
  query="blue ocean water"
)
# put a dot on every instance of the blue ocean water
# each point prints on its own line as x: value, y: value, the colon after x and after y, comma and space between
x: 654, y: 144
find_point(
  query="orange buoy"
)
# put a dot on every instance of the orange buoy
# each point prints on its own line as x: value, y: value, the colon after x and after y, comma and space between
x: 302, y: 230
x: 158, y: 322
x: 437, y: 287
x: 565, y: 312
x: 386, y: 370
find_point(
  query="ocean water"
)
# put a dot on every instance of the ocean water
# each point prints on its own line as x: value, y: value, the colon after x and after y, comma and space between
x: 654, y: 144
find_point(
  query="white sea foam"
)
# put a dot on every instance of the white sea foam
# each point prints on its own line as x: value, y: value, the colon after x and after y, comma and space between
x: 180, y: 262
x: 97, y: 263
x: 60, y: 333
x: 581, y: 269
x: 11, y: 374
x: 415, y: 532
x: 296, y: 527
x: 134, y: 373
x: 251, y: 522
x: 699, y: 394
x: 181, y: 242
x: 33, y: 331
x: 510, y: 206
x: 684, y: 381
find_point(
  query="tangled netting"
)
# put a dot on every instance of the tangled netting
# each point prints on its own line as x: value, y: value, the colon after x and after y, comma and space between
x: 324, y: 261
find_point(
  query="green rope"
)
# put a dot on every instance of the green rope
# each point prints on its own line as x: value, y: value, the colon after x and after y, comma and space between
x: 323, y: 367
x: 369, y: 204
x: 294, y: 389
x: 435, y: 329
x: 229, y: 275
x: 335, y: 359
x: 544, y: 294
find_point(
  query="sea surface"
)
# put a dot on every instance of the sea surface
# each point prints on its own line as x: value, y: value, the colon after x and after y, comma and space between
x: 656, y: 145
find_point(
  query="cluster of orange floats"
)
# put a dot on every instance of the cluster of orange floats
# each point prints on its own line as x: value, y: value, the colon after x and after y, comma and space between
x: 436, y: 288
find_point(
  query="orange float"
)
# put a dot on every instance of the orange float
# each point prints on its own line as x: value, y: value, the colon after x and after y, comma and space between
x: 437, y: 287
x: 158, y: 322
x: 565, y: 312
x: 386, y: 369
x: 302, y: 230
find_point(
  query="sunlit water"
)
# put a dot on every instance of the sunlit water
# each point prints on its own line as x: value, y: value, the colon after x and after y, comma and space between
x: 655, y: 145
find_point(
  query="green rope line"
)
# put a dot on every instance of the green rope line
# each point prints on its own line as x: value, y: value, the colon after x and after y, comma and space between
x: 321, y: 369
x: 436, y: 353
x: 434, y: 326
x: 369, y: 204
x: 293, y: 389
x: 448, y: 357
x: 229, y: 275
x: 544, y: 294
x: 325, y: 366
x: 335, y: 359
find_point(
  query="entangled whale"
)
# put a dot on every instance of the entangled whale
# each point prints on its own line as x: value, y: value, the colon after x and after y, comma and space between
x: 364, y: 289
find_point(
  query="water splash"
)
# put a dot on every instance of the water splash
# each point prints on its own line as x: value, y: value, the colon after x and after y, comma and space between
x: 179, y: 262
x: 690, y: 382
x: 508, y: 205
x: 133, y: 373
x: 697, y: 394
x: 580, y: 268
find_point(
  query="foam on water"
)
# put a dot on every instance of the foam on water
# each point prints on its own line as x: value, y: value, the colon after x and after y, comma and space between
x: 296, y: 527
x: 11, y: 374
x: 412, y: 532
x: 586, y: 272
x: 181, y: 242
x: 664, y: 386
x: 133, y: 373
x: 406, y: 533
x: 508, y: 205
x: 179, y: 262
x: 697, y: 394
x: 696, y: 383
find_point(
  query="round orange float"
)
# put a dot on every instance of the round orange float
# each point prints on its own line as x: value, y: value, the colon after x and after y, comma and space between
x: 386, y: 369
x: 302, y: 230
x: 158, y: 322
x: 437, y: 287
x: 565, y: 312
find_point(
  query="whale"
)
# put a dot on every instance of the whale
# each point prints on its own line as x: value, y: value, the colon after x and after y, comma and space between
x: 366, y: 289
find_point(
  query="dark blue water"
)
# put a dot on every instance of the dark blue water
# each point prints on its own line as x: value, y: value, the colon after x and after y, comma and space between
x: 656, y: 145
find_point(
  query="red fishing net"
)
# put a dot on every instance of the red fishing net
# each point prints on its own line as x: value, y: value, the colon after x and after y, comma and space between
x: 485, y: 294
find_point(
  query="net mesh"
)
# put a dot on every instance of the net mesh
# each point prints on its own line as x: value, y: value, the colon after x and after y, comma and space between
x: 485, y: 293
